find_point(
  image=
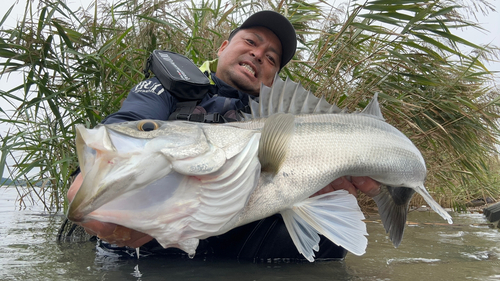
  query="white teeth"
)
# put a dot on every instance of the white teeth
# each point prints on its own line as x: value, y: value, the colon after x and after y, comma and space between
x: 249, y: 68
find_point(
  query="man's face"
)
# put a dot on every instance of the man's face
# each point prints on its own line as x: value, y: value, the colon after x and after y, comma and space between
x: 252, y: 57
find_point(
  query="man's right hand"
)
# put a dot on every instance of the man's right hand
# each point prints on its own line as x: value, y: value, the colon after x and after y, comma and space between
x: 109, y: 232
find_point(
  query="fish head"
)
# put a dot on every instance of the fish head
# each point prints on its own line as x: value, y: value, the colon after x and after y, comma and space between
x: 116, y: 159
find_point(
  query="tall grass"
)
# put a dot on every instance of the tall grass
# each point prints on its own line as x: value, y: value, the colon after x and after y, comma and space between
x: 78, y: 65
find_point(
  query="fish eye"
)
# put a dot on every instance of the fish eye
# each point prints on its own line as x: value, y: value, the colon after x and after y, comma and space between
x: 147, y: 125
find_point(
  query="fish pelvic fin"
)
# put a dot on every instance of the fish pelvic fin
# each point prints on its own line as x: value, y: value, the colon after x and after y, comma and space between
x: 336, y: 215
x: 393, y: 204
x: 274, y: 141
x: 189, y: 245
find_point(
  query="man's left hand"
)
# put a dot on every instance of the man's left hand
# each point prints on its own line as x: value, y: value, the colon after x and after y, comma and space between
x: 364, y: 184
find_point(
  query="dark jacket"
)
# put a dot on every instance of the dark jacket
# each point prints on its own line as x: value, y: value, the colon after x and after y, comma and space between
x: 149, y: 100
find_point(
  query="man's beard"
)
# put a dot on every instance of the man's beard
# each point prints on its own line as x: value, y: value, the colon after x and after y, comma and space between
x: 240, y: 84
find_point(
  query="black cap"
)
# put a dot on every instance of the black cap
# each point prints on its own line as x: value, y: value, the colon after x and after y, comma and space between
x: 280, y: 26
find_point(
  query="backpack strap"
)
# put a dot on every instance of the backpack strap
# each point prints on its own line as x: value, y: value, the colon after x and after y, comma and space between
x: 186, y: 111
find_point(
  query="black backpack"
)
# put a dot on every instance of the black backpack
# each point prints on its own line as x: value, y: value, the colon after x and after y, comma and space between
x: 177, y: 74
x: 185, y: 81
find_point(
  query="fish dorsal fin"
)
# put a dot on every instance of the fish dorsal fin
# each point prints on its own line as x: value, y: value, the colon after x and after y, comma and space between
x: 373, y: 108
x: 275, y: 137
x: 265, y: 102
x: 287, y: 97
x: 297, y: 100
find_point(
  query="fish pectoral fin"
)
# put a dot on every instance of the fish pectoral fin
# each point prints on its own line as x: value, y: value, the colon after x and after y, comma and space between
x: 393, y: 205
x: 274, y: 141
x: 336, y: 215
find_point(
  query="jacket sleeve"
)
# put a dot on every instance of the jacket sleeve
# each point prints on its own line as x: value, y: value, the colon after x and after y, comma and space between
x: 147, y: 100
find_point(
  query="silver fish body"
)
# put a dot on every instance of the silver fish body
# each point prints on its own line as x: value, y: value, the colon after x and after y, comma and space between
x: 183, y: 181
x: 325, y: 147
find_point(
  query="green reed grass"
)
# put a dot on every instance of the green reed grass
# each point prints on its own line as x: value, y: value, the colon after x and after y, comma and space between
x: 78, y: 65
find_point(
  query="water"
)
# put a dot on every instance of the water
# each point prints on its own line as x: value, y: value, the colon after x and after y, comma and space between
x: 431, y: 250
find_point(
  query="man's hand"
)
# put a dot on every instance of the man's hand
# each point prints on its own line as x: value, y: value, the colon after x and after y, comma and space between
x: 109, y: 232
x: 364, y: 184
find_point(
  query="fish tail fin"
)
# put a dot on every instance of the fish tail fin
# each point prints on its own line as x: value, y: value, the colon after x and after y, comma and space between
x: 393, y: 203
x: 433, y: 204
x: 336, y: 215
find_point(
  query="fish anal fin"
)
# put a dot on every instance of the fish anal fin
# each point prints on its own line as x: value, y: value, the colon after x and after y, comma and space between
x: 393, y: 205
x: 304, y: 236
x: 336, y: 215
x: 275, y: 138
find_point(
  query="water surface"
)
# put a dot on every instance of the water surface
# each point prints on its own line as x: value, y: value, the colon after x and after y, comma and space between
x: 431, y: 250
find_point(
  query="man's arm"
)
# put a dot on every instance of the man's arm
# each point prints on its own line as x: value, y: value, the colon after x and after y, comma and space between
x: 147, y: 100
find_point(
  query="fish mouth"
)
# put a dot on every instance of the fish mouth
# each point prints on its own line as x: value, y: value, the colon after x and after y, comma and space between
x: 110, y: 167
x: 92, y: 146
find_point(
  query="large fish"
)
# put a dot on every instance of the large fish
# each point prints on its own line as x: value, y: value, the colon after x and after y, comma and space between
x: 182, y: 181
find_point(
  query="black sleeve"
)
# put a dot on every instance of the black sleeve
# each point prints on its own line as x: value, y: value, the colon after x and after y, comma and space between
x: 147, y: 100
x: 265, y: 240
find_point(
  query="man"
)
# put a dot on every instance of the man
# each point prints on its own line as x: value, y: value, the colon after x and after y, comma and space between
x: 252, y: 55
